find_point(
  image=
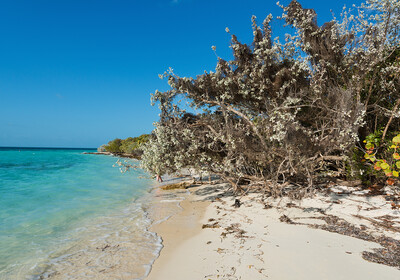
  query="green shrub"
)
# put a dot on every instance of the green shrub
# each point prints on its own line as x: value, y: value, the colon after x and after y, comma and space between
x: 114, y: 146
x: 383, y: 157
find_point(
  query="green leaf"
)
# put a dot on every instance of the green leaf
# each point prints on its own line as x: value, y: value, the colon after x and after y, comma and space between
x: 385, y: 166
x: 369, y: 146
x: 372, y: 158
x: 396, y: 139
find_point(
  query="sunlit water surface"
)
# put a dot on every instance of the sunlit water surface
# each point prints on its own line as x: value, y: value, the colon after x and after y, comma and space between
x: 65, y: 214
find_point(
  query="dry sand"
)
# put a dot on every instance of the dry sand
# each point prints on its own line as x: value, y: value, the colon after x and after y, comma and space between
x: 250, y: 242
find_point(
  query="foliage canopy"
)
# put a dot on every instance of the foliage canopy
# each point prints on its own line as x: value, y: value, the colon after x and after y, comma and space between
x: 130, y: 145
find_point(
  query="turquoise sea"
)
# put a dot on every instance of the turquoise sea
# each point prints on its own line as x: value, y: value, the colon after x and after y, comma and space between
x: 65, y: 213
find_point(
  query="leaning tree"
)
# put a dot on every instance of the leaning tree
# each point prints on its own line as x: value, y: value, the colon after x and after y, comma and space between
x: 287, y: 112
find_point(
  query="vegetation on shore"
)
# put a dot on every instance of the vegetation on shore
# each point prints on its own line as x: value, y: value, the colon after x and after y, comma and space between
x: 293, y: 110
x: 131, y: 146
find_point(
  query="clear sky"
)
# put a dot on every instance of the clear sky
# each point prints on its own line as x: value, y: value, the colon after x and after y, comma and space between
x: 78, y: 73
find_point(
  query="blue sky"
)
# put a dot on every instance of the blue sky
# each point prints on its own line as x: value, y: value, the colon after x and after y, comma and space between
x: 79, y: 73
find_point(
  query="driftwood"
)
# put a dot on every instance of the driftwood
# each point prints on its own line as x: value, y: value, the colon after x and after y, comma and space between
x: 180, y: 185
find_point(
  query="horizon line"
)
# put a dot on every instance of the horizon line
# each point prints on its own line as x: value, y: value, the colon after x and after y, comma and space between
x: 17, y: 147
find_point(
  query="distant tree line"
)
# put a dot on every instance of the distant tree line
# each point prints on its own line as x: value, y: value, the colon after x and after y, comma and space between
x: 287, y: 111
x: 130, y: 146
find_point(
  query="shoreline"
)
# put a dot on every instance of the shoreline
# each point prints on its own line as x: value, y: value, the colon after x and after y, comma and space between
x: 267, y: 238
x: 121, y: 155
x: 127, y: 239
x: 177, y: 228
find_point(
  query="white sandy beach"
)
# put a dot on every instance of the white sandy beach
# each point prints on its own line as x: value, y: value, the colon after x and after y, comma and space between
x: 250, y: 242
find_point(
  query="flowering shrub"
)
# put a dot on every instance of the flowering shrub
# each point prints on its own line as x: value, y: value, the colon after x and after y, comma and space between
x: 285, y: 111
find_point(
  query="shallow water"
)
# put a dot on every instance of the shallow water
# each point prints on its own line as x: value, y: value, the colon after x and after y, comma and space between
x: 64, y: 214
